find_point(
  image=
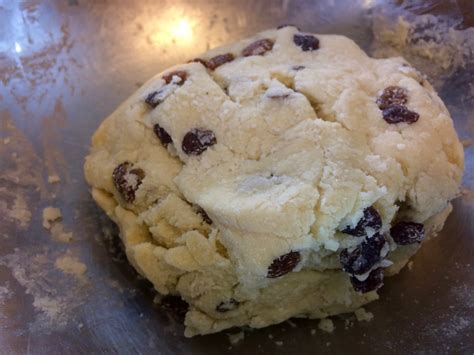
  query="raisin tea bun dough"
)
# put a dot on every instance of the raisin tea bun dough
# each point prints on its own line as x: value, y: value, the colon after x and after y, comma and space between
x: 281, y: 176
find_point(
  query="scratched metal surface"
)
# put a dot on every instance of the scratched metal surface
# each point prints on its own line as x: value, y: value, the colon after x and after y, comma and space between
x: 64, y: 66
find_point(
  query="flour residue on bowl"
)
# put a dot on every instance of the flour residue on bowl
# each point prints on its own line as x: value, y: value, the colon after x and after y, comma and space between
x: 430, y: 43
x: 55, y: 295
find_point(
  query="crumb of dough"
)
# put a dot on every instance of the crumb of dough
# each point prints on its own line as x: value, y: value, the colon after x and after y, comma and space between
x: 71, y: 265
x: 363, y: 316
x: 59, y: 234
x: 328, y: 344
x: 410, y: 265
x: 313, y: 331
x: 348, y: 323
x: 50, y: 214
x: 53, y: 179
x: 279, y: 343
x: 326, y: 325
x: 236, y: 338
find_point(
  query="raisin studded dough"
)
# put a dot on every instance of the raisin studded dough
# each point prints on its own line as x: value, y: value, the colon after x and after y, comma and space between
x: 282, y: 176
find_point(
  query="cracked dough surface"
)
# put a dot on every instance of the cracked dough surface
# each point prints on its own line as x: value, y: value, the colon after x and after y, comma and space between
x: 302, y: 149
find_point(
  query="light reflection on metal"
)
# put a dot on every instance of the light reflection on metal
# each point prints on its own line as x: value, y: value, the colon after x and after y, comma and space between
x: 182, y: 30
x: 176, y: 28
x: 17, y: 47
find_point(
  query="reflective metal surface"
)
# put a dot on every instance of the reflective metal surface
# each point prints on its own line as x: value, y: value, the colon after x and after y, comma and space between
x: 65, y: 65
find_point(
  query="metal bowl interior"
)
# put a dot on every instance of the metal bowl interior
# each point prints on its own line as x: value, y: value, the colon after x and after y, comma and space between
x: 65, y: 65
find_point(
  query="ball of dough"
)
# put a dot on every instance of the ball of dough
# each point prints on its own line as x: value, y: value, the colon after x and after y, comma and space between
x: 281, y: 176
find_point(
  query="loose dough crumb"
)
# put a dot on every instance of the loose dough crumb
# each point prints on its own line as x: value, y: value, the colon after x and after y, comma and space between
x: 53, y: 179
x: 363, y: 316
x: 410, y: 265
x: 236, y: 338
x: 326, y: 325
x: 279, y: 343
x: 59, y: 234
x: 71, y: 265
x: 50, y: 214
x: 348, y: 323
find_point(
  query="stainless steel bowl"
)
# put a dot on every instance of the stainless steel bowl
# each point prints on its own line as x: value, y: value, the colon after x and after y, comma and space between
x: 65, y: 65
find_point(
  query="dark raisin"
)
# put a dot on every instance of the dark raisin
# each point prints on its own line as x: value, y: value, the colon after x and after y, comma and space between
x: 204, y: 216
x: 175, y: 306
x: 198, y: 60
x: 306, y: 42
x: 405, y: 233
x: 162, y: 135
x: 219, y: 60
x: 392, y: 95
x: 259, y: 47
x: 364, y: 256
x: 370, y: 219
x: 227, y: 306
x: 180, y: 73
x: 373, y: 282
x: 288, y: 25
x: 196, y: 141
x: 279, y: 95
x: 399, y: 113
x: 298, y: 67
x: 127, y: 180
x: 283, y: 264
x: 153, y: 99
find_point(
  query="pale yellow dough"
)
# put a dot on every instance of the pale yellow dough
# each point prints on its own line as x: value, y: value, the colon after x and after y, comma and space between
x: 287, y: 174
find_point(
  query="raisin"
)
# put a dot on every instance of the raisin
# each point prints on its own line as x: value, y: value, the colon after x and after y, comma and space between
x: 364, y: 256
x: 392, y: 95
x: 227, y: 306
x: 278, y: 94
x: 298, y: 67
x: 373, y: 282
x: 204, y: 215
x: 306, y: 42
x: 259, y: 47
x: 219, y: 60
x: 370, y: 219
x: 283, y: 264
x: 405, y: 233
x: 153, y: 99
x: 198, y: 60
x: 180, y: 73
x: 175, y: 306
x: 162, y: 135
x: 196, y: 141
x: 399, y: 113
x: 127, y: 180
x: 287, y: 25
